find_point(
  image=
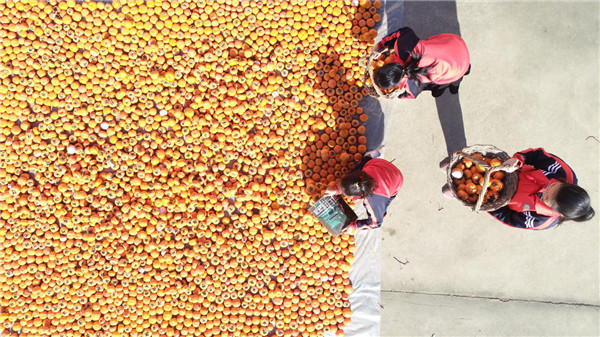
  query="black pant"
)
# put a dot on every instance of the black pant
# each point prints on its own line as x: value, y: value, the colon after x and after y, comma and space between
x: 438, y: 89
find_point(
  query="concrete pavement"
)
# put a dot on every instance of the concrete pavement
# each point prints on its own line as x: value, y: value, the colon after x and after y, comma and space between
x: 442, y: 315
x: 534, y: 83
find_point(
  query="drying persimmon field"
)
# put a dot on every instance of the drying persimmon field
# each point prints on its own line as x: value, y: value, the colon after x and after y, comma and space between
x: 157, y: 159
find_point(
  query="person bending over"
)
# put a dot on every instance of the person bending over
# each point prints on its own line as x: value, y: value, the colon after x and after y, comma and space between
x: 373, y: 184
x: 433, y: 64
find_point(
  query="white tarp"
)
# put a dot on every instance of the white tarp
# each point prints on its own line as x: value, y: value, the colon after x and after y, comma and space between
x: 365, y: 276
x: 365, y: 273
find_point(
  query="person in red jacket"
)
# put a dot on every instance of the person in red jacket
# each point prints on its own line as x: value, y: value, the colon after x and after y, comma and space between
x: 547, y: 193
x: 374, y: 183
x: 433, y: 64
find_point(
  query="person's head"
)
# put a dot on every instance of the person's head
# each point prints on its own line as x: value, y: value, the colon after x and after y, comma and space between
x: 357, y: 184
x: 388, y: 76
x: 570, y: 200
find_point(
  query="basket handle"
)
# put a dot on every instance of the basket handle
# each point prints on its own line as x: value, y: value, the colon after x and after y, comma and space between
x: 475, y: 160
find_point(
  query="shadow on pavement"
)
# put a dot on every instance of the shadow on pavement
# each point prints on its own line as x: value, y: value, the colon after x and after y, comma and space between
x: 376, y: 124
x: 428, y: 18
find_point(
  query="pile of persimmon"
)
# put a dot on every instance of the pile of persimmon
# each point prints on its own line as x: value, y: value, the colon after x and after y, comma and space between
x: 157, y: 157
x: 468, y: 179
x: 383, y: 59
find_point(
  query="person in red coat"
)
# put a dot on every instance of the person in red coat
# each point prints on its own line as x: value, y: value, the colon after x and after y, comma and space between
x: 374, y: 183
x: 547, y: 193
x: 433, y: 64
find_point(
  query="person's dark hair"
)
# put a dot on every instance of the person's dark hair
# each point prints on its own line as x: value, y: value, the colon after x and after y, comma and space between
x: 358, y: 184
x: 390, y: 74
x: 573, y: 202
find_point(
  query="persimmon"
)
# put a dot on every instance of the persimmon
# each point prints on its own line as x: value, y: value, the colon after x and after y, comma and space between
x: 159, y: 158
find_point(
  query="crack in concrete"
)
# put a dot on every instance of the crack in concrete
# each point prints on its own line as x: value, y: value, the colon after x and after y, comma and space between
x: 494, y: 298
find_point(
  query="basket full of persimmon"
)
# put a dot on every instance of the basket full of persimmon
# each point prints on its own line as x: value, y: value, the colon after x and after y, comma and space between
x: 478, y: 178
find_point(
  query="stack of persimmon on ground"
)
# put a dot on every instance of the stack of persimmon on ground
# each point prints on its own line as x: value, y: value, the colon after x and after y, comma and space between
x: 157, y: 158
x: 468, y: 179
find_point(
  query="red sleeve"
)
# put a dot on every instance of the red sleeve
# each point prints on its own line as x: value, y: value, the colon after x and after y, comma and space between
x: 407, y: 93
x: 389, y: 40
x: 376, y: 206
x: 551, y: 165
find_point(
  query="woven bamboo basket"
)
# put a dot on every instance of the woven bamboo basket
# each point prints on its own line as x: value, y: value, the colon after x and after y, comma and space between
x: 371, y: 88
x: 511, y: 179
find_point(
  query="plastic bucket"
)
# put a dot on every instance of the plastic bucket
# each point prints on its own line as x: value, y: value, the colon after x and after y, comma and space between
x: 333, y: 213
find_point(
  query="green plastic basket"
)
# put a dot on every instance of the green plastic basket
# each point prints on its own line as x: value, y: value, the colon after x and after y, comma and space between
x: 333, y: 213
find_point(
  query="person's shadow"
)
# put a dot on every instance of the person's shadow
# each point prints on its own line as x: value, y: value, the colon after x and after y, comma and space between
x: 428, y: 18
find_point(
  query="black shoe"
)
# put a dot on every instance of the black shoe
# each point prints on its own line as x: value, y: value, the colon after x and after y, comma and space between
x: 437, y: 92
x: 454, y: 89
x: 444, y: 164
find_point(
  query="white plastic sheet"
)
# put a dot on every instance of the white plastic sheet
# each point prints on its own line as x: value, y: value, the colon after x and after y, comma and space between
x: 365, y: 273
x: 365, y: 276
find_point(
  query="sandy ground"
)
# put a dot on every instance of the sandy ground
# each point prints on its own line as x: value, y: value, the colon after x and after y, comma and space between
x: 533, y: 83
